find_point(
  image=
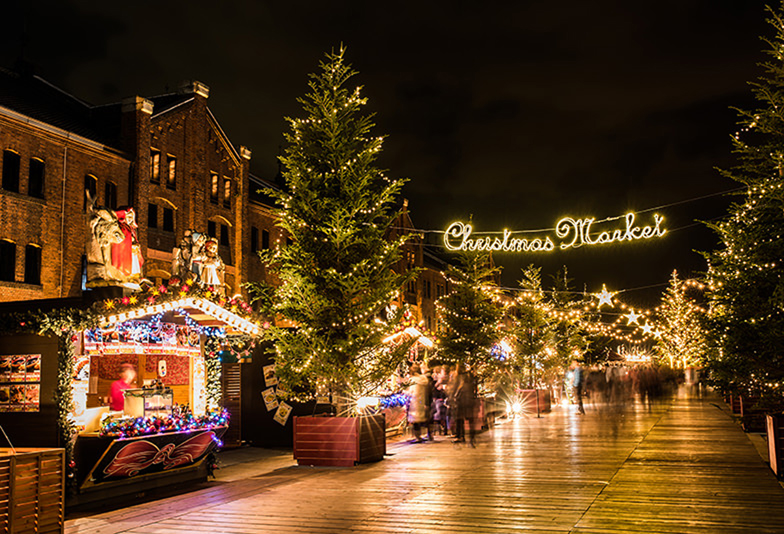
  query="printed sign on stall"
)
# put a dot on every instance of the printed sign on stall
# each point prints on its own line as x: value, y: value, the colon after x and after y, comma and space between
x: 270, y: 399
x: 20, y: 383
x: 282, y: 415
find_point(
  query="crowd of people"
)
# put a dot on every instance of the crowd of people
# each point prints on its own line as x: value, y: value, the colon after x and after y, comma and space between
x: 442, y: 401
x: 618, y: 384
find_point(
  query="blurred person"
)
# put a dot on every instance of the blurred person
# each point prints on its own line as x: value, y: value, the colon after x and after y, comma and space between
x: 118, y: 387
x: 418, y: 408
x: 463, y: 401
x: 578, y: 383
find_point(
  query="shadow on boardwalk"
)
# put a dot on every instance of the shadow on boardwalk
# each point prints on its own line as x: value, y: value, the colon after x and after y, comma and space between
x: 677, y: 466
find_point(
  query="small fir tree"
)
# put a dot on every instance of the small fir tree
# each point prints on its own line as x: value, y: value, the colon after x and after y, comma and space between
x: 471, y: 313
x: 570, y: 338
x: 335, y: 271
x: 746, y: 313
x: 532, y: 329
x: 681, y: 336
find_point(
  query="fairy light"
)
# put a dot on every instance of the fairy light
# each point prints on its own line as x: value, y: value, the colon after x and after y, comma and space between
x: 572, y: 233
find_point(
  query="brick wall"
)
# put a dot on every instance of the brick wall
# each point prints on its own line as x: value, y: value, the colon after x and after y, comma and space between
x: 56, y: 222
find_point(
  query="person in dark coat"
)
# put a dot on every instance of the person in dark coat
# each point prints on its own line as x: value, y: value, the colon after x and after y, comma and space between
x: 463, y: 404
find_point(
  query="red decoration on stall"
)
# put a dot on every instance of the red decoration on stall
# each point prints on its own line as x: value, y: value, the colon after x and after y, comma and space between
x: 177, y: 368
x: 139, y: 455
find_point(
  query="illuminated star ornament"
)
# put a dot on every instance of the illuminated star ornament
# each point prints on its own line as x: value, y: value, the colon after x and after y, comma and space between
x: 605, y: 297
x: 647, y: 329
x: 632, y: 317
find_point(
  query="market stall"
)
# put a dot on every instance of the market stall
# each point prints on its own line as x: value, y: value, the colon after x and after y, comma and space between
x: 169, y: 419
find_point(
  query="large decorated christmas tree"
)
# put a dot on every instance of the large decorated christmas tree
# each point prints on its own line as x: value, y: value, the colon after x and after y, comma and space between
x: 745, y: 273
x: 336, y: 269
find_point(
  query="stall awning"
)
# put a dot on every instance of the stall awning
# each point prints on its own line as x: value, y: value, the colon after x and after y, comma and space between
x: 201, y: 310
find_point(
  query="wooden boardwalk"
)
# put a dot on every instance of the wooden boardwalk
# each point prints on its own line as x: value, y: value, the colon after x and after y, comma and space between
x: 680, y: 466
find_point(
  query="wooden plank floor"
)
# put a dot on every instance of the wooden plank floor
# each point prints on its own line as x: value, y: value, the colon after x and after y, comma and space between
x: 679, y: 466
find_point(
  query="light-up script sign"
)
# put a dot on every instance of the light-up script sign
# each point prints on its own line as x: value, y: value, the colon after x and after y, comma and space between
x: 569, y: 232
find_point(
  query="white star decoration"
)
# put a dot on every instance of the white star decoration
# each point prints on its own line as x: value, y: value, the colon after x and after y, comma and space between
x: 647, y: 329
x: 605, y: 297
x: 632, y: 317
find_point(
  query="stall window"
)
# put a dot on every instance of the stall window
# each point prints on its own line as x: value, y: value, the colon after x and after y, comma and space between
x: 155, y: 166
x: 224, y: 237
x: 35, y: 182
x: 227, y: 193
x: 171, y: 178
x: 110, y: 195
x: 10, y: 171
x: 152, y: 216
x: 90, y: 189
x: 32, y: 273
x: 7, y: 261
x: 212, y: 228
x: 168, y: 220
x: 213, y: 188
x: 265, y: 242
x: 254, y: 239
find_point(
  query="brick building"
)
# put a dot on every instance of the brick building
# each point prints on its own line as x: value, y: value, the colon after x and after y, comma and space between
x: 429, y: 285
x: 166, y: 156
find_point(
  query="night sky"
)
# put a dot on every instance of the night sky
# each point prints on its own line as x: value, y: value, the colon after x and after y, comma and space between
x: 515, y: 113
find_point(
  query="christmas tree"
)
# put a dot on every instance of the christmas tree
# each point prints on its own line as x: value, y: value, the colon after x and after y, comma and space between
x: 335, y: 271
x: 471, y: 313
x: 680, y: 336
x: 570, y: 338
x: 531, y: 327
x: 746, y: 316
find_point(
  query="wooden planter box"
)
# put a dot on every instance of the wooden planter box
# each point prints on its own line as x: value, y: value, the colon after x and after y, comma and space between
x: 529, y: 399
x: 775, y: 428
x: 735, y: 403
x: 32, y: 493
x: 339, y: 441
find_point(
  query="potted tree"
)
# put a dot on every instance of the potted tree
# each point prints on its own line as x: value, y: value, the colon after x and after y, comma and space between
x: 335, y: 270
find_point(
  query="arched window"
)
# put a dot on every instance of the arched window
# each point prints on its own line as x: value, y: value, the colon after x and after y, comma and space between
x: 155, y: 166
x: 91, y: 187
x: 10, y: 171
x: 171, y: 177
x: 7, y: 261
x: 32, y: 273
x: 110, y: 195
x: 213, y: 188
x: 254, y: 239
x: 152, y: 215
x: 227, y: 193
x: 36, y: 178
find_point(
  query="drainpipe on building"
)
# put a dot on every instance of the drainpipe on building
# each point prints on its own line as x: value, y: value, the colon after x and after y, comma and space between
x: 62, y: 223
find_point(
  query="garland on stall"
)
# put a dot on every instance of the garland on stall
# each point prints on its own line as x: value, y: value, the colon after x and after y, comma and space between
x: 181, y: 419
x: 212, y: 379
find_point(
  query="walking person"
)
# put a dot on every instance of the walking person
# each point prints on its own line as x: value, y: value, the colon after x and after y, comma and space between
x: 578, y: 383
x: 463, y: 401
x: 418, y: 405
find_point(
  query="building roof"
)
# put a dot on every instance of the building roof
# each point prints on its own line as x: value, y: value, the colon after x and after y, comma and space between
x: 257, y: 192
x: 31, y: 95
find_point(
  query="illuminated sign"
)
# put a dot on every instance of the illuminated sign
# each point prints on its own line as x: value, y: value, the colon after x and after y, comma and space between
x: 570, y: 233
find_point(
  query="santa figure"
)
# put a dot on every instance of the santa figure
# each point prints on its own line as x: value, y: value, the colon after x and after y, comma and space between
x: 126, y: 255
